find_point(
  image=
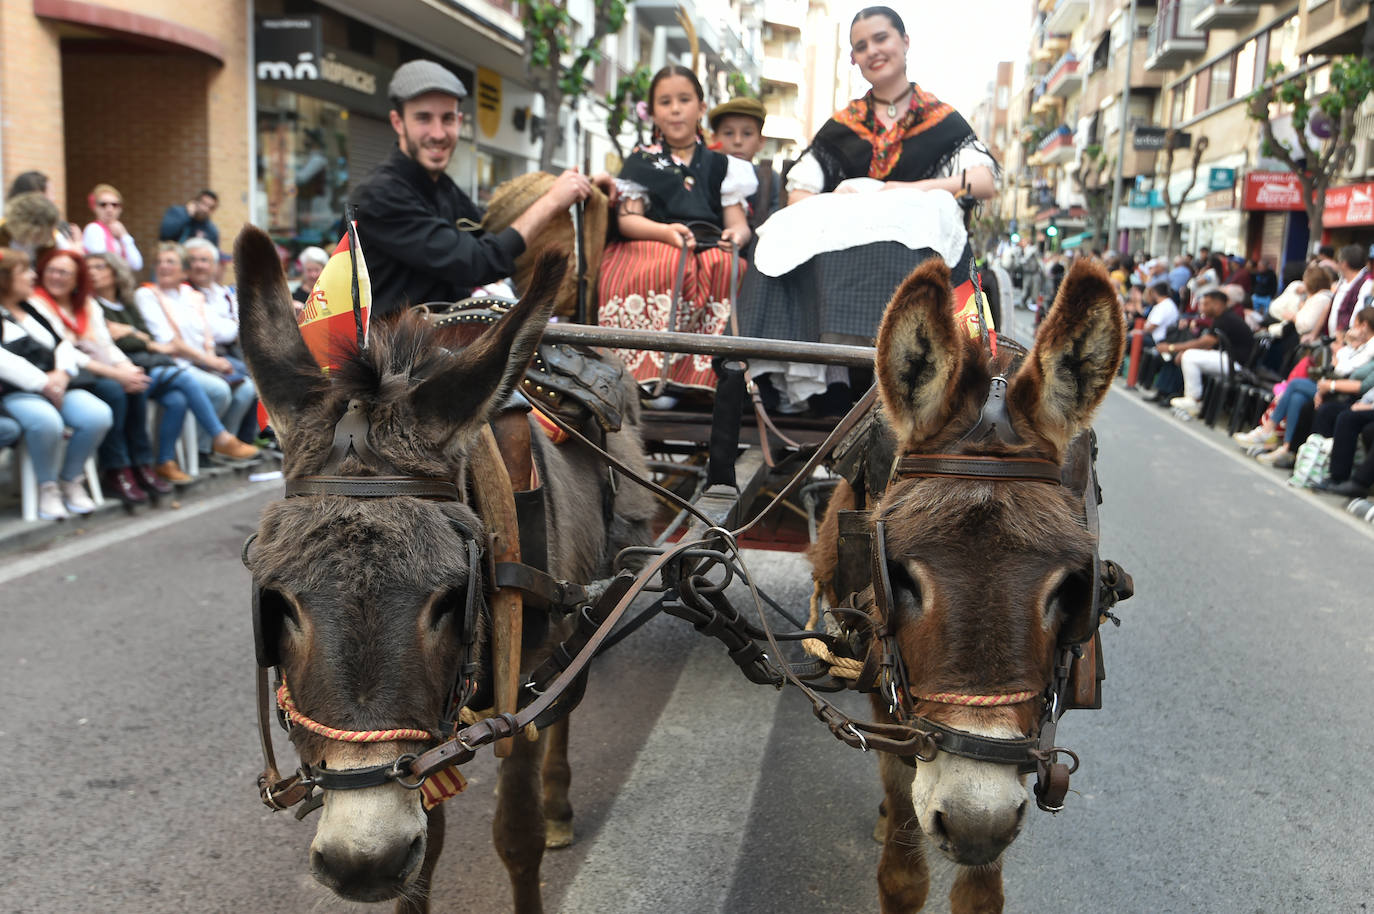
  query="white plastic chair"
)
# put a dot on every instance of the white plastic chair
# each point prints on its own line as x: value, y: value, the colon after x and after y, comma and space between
x: 28, y: 481
x: 188, y: 444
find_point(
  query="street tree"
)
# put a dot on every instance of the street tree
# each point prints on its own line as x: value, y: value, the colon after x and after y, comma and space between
x: 1322, y: 153
x: 548, y: 42
x: 1174, y: 208
x: 1096, y: 192
x: 628, y: 105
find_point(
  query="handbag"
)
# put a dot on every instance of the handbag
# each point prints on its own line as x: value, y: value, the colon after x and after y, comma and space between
x: 1312, y: 461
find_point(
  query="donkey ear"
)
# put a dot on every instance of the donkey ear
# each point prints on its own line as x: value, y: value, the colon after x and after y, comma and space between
x: 920, y: 353
x: 1076, y: 355
x: 286, y: 375
x: 481, y: 376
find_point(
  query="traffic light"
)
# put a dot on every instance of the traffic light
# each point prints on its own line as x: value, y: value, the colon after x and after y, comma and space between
x: 1015, y: 237
x: 1052, y: 231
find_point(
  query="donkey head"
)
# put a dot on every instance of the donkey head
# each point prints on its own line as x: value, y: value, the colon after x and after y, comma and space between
x: 986, y: 573
x: 363, y: 600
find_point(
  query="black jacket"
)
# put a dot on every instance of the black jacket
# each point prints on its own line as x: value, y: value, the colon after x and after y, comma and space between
x: 407, y: 224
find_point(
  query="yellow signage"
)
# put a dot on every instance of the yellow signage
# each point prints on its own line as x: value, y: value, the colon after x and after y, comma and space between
x: 488, y: 101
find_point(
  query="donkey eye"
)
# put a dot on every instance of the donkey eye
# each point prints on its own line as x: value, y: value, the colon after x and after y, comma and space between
x: 447, y: 607
x: 905, y: 591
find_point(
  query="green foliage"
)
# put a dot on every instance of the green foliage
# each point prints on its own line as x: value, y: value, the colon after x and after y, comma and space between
x: 630, y: 90
x: 1352, y: 80
x: 548, y: 38
x: 739, y: 86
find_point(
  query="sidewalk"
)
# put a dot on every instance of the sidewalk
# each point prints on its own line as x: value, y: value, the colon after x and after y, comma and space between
x: 19, y: 536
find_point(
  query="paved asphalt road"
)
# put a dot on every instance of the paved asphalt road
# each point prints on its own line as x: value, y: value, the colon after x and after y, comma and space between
x: 1225, y: 773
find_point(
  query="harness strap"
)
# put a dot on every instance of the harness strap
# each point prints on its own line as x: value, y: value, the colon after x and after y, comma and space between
x: 537, y: 583
x: 373, y: 487
x: 1031, y: 469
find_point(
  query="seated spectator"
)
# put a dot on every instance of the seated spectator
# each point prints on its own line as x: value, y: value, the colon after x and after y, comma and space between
x: 1311, y: 320
x: 174, y: 388
x: 312, y: 262
x: 1354, y: 361
x: 1361, y: 477
x: 182, y: 223
x: 30, y: 224
x: 1266, y: 285
x: 1354, y: 270
x: 175, y: 313
x: 1162, y: 316
x: 63, y: 299
x: 1180, y: 274
x: 65, y: 234
x: 1228, y: 339
x: 107, y: 232
x: 36, y: 369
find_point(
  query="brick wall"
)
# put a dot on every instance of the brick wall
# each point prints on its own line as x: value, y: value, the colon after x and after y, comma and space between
x: 138, y: 122
x: 158, y: 125
x: 30, y: 95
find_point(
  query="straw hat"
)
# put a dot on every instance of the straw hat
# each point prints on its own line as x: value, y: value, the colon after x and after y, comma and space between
x: 515, y: 196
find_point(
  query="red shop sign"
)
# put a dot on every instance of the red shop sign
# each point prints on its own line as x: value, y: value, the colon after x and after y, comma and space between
x: 1352, y: 204
x: 1273, y: 190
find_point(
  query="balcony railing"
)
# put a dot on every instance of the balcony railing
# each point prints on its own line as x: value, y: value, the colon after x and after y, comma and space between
x: 1065, y: 77
x: 1066, y: 16
x: 1172, y: 38
x: 1225, y: 14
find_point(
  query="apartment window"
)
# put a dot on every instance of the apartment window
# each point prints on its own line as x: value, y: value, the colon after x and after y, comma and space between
x: 1202, y: 91
x: 1283, y: 45
x: 1245, y: 75
x: 1221, y: 89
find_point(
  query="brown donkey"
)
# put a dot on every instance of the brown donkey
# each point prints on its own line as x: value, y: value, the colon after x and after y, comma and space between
x: 984, y: 572
x: 363, y: 599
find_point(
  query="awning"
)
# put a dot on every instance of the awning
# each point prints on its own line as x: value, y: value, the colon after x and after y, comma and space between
x: 1074, y: 241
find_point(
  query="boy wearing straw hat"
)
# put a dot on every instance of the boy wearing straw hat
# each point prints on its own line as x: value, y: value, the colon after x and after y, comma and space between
x: 737, y: 129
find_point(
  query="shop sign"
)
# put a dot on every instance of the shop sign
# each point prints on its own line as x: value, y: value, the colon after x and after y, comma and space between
x: 1220, y: 199
x: 288, y: 48
x: 1221, y: 178
x: 1349, y: 205
x: 488, y: 101
x: 1272, y: 191
x: 1147, y: 199
x: 1151, y: 139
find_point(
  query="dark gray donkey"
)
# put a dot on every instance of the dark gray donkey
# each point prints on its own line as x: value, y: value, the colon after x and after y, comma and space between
x: 363, y: 598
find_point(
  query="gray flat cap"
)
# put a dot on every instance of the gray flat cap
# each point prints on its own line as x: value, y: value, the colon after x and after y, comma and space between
x: 420, y: 76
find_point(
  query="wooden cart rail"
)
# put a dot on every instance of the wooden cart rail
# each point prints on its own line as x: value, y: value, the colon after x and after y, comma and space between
x: 742, y: 347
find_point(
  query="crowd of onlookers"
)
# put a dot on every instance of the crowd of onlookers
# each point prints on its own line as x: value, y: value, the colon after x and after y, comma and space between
x: 1305, y: 343
x: 95, y: 364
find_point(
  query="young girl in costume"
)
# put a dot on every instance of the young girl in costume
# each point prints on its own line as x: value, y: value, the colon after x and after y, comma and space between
x: 676, y: 199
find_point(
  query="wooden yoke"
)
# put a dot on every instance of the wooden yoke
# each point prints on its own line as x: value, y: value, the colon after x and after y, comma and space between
x: 494, y: 487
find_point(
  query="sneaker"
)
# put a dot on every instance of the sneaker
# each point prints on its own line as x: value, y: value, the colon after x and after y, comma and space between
x: 1257, y: 437
x: 1188, y: 405
x: 667, y: 401
x: 74, y: 496
x: 1362, y: 508
x: 50, y: 506
x: 123, y: 484
x: 169, y: 471
x: 1280, y: 458
x: 233, y: 450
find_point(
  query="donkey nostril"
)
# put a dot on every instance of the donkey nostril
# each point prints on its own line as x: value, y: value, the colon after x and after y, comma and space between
x: 1021, y: 811
x: 414, y: 858
x: 939, y: 824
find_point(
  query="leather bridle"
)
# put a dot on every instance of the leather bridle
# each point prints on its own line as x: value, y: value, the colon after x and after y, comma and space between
x: 350, y: 438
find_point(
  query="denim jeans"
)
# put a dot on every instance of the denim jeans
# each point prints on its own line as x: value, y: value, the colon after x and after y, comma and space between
x: 231, y: 403
x: 82, y: 411
x: 177, y: 390
x: 127, y: 443
x: 1298, y: 393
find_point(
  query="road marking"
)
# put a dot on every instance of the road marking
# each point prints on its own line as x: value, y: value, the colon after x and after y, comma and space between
x: 686, y: 800
x: 1312, y: 499
x: 122, y: 532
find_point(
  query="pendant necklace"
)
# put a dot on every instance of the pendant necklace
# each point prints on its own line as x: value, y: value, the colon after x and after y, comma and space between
x: 892, y: 105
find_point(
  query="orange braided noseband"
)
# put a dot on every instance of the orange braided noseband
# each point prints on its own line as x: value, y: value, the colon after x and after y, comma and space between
x: 294, y: 715
x: 976, y: 701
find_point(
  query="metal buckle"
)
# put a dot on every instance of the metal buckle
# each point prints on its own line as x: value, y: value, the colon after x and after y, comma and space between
x: 399, y: 776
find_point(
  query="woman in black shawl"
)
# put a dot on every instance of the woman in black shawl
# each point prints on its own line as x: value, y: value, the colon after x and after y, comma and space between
x: 831, y: 263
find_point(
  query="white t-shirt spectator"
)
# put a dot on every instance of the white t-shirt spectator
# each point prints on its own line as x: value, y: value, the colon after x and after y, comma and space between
x: 1162, y: 317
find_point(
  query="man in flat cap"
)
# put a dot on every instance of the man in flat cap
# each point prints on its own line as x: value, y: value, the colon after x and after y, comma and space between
x: 409, y: 209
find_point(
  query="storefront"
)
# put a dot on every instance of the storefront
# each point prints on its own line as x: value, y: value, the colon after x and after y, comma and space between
x: 1348, y: 217
x: 1277, y: 220
x: 322, y: 126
